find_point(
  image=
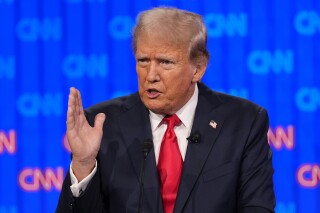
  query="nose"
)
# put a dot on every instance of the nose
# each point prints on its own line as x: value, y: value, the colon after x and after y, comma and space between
x: 153, y: 74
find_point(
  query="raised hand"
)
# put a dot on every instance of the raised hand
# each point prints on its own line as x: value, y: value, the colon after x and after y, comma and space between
x: 84, y: 140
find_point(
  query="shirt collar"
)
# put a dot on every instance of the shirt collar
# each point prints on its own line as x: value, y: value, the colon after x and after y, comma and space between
x: 185, y: 114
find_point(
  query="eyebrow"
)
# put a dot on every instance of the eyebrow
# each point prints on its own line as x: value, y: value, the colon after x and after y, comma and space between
x: 141, y: 55
x: 164, y: 57
x: 157, y: 57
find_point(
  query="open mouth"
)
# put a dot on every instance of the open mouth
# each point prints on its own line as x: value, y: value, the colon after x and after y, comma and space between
x: 153, y: 93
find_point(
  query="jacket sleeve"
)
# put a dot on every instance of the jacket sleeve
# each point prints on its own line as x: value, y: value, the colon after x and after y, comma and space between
x: 91, y: 200
x: 256, y: 192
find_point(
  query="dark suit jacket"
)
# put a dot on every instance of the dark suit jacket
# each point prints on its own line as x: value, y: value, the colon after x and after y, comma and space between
x: 229, y: 170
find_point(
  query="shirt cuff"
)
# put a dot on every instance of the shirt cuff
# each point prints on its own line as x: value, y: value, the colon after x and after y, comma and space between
x: 77, y: 188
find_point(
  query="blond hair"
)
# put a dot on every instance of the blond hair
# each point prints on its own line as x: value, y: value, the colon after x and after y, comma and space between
x: 177, y: 26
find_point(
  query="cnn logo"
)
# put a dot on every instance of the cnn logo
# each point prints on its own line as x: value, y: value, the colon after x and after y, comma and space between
x: 8, y: 142
x: 308, y: 175
x: 34, y: 179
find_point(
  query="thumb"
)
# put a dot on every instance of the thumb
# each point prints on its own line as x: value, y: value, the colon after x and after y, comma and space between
x: 99, y: 120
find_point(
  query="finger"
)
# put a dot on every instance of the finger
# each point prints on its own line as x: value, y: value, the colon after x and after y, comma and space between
x: 72, y: 102
x: 72, y: 97
x: 71, y: 107
x: 70, y: 118
x: 99, y: 120
x: 77, y: 102
x: 80, y: 103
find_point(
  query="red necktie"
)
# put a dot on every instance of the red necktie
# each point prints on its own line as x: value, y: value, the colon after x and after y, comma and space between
x: 169, y: 164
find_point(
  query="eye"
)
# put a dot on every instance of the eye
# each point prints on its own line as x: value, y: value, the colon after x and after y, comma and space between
x: 142, y: 61
x: 166, y: 62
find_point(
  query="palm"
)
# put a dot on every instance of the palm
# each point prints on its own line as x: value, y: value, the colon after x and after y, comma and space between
x: 84, y: 140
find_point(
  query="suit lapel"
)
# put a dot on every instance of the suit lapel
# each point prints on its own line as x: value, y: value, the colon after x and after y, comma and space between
x: 135, y: 127
x: 197, y: 153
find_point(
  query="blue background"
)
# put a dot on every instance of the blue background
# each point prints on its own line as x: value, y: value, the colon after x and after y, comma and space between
x: 267, y: 51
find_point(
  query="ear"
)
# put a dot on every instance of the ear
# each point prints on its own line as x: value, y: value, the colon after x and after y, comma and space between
x: 200, y: 69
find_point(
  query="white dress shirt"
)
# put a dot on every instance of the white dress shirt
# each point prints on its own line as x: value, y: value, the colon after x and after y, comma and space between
x: 158, y: 128
x: 186, y: 116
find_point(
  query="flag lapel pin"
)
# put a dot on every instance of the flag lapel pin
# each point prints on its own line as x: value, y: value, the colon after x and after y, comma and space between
x: 213, y: 124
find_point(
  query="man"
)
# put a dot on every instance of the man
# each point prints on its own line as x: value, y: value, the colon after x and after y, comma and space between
x: 210, y: 151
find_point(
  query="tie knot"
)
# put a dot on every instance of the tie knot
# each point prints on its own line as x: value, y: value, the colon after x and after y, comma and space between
x: 171, y: 120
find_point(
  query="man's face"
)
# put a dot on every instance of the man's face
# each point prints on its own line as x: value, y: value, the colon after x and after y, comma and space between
x: 165, y: 73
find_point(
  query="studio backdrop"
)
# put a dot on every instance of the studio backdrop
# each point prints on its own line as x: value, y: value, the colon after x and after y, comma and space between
x: 267, y: 51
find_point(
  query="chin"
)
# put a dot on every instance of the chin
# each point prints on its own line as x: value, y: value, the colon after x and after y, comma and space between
x: 153, y: 108
x: 156, y: 106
